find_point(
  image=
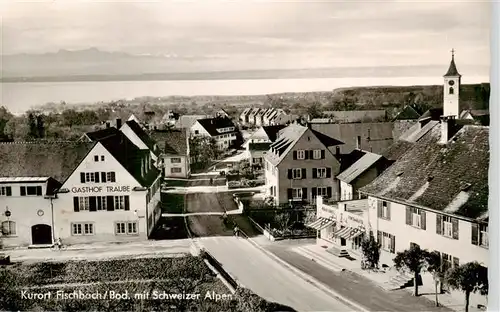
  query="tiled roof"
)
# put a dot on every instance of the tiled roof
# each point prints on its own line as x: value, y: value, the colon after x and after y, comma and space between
x: 347, y: 160
x: 101, y: 134
x: 433, y: 113
x: 407, y: 113
x: 129, y: 156
x: 363, y: 164
x: 396, y: 150
x: 56, y: 159
x: 375, y: 137
x: 212, y: 124
x: 259, y: 146
x: 286, y: 140
x: 187, y: 121
x: 355, y: 116
x: 326, y: 140
x: 452, y: 178
x: 150, y: 143
x: 254, y: 112
x: 272, y: 131
x: 176, y: 142
x: 479, y: 112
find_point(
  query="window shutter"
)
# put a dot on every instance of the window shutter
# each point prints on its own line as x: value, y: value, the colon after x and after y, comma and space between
x: 304, y: 193
x: 289, y: 193
x: 423, y: 225
x: 456, y: 262
x: 379, y: 208
x: 306, y: 154
x: 475, y: 234
x: 322, y: 154
x: 294, y: 155
x: 328, y: 172
x: 329, y: 192
x: 9, y: 191
x: 439, y: 224
x: 290, y: 174
x: 76, y: 208
x: 127, y: 203
x: 96, y: 177
x: 82, y: 177
x: 39, y: 191
x: 388, y: 211
x: 393, y: 244
x: 113, y: 179
x: 313, y: 192
x: 408, y: 215
x: 454, y: 223
x: 99, y: 203
x: 315, y: 173
x: 103, y: 177
x: 304, y: 173
x: 110, y: 205
x: 311, y: 154
x: 92, y: 203
x: 379, y: 237
x: 23, y: 190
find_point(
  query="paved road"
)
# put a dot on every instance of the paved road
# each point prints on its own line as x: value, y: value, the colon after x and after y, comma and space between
x: 354, y: 287
x: 267, y: 278
x: 99, y: 251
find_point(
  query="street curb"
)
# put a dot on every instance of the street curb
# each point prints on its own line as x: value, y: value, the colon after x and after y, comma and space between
x: 311, y: 279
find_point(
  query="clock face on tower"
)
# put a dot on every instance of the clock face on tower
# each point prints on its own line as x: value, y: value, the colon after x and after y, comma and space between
x: 451, y: 82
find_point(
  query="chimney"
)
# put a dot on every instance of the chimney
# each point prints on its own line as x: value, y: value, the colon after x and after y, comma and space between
x: 447, y: 127
x: 118, y: 123
x: 358, y: 142
x: 108, y: 124
x: 337, y: 150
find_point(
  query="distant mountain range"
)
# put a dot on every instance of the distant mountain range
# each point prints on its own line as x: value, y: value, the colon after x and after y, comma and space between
x: 95, y: 65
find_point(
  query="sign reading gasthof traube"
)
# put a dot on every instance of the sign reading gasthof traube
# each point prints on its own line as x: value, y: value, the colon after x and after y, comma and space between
x: 100, y: 189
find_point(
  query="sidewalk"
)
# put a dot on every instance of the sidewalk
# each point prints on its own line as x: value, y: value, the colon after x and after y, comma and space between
x: 320, y: 260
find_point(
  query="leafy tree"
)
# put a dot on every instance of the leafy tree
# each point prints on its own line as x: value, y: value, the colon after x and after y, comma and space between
x: 40, y: 126
x: 371, y: 251
x: 33, y: 131
x: 434, y: 266
x: 314, y: 110
x: 470, y: 278
x: 413, y: 260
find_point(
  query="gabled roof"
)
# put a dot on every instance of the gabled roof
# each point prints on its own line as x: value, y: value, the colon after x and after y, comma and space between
x: 253, y: 112
x: 176, y: 142
x: 326, y: 140
x: 433, y: 114
x: 245, y: 112
x: 259, y: 146
x: 101, y: 134
x: 360, y: 166
x: 56, y: 159
x: 407, y: 113
x: 129, y: 156
x: 355, y: 116
x: 150, y: 143
x: 272, y: 131
x: 347, y: 160
x: 187, y: 121
x: 212, y: 124
x: 451, y: 178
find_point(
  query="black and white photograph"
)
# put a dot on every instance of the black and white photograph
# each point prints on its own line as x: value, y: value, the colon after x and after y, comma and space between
x: 248, y: 156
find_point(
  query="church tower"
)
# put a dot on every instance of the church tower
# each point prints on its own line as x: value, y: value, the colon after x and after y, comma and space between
x: 451, y: 90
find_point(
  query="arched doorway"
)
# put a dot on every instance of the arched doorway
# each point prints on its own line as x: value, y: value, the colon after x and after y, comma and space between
x: 41, y: 234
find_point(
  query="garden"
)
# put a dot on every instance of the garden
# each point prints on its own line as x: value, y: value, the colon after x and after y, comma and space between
x: 147, y: 277
x: 245, y: 176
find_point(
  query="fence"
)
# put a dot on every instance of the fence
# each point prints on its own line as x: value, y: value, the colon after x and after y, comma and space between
x: 218, y: 267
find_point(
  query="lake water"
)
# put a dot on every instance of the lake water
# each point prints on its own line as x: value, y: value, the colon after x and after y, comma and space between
x: 19, y: 97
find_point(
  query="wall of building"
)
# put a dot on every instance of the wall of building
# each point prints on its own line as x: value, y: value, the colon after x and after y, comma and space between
x: 308, y: 141
x: 257, y: 155
x: 103, y: 221
x: 26, y: 211
x: 428, y: 238
x: 271, y: 174
x: 183, y: 165
x: 346, y: 192
x: 198, y: 130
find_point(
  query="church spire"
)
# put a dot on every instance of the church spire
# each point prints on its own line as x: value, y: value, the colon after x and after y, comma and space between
x: 452, y: 70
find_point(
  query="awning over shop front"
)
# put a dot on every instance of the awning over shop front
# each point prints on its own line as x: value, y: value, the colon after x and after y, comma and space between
x: 349, y: 233
x: 320, y: 224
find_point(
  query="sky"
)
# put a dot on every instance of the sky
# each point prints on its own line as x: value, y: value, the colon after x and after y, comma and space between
x: 277, y: 34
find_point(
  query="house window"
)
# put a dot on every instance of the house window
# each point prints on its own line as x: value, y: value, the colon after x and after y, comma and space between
x: 8, y: 228
x: 448, y: 261
x: 102, y: 157
x: 447, y: 227
x: 89, y: 177
x: 196, y: 132
x: 82, y: 229
x: 317, y: 154
x: 321, y: 173
x: 84, y: 203
x: 175, y: 160
x: 452, y: 90
x: 126, y: 228
x: 31, y: 191
x: 102, y: 203
x: 5, y: 191
x: 119, y: 202
x: 110, y: 177
x: 483, y: 235
x: 301, y: 154
x: 322, y: 191
x: 297, y: 193
x: 387, y: 241
x: 175, y: 170
x: 297, y: 173
x: 96, y: 157
x: 416, y: 217
x: 384, y: 210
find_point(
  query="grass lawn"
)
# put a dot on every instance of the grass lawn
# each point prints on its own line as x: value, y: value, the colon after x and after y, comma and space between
x: 172, y: 203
